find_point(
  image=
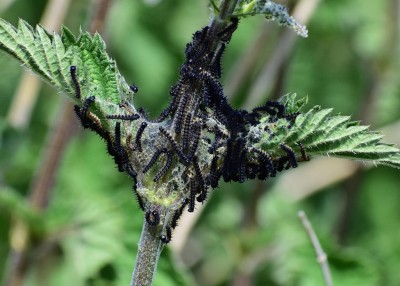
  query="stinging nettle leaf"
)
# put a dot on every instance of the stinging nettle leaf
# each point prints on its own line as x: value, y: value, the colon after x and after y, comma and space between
x: 324, y: 134
x: 51, y: 57
x: 67, y: 37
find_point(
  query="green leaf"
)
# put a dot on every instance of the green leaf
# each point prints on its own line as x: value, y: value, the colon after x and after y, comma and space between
x: 324, y: 134
x: 51, y: 56
x: 29, y: 43
x: 67, y: 37
x: 9, y: 42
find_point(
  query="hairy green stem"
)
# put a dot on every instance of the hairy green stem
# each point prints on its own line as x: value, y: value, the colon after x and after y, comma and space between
x: 227, y: 7
x: 219, y: 22
x: 149, y: 251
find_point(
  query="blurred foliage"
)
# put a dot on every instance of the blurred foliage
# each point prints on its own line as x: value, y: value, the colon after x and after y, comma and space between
x: 90, y: 230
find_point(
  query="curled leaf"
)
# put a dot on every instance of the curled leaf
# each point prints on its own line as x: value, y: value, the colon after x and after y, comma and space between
x: 272, y: 12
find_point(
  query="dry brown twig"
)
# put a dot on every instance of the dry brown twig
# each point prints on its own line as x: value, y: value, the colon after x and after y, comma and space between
x: 321, y: 255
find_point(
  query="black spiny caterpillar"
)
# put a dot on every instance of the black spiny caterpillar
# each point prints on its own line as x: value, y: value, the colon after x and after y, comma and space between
x: 196, y: 140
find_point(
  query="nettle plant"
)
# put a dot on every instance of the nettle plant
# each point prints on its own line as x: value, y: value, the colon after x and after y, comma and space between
x: 176, y: 159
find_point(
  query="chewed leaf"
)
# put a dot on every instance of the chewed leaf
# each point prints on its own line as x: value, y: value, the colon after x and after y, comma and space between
x: 273, y: 12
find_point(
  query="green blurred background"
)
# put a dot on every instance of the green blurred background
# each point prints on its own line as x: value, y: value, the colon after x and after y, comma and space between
x: 247, y: 234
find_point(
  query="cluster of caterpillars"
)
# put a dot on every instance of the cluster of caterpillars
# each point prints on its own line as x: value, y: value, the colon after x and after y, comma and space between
x: 114, y: 146
x: 119, y: 153
x: 197, y: 97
